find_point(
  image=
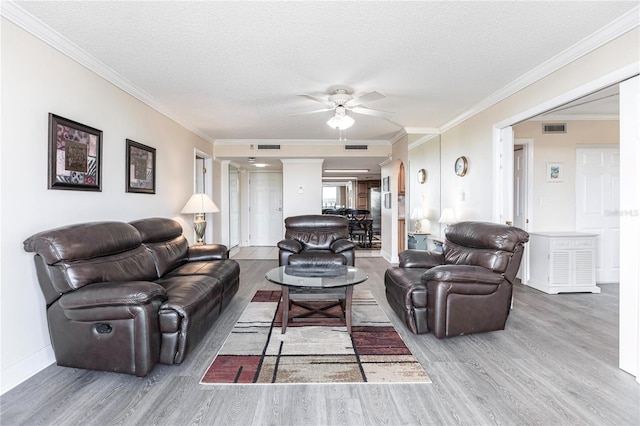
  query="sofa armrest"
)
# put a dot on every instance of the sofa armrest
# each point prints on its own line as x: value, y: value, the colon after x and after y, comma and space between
x: 293, y: 246
x: 420, y: 259
x: 128, y: 293
x: 204, y: 252
x: 338, y: 246
x: 464, y: 279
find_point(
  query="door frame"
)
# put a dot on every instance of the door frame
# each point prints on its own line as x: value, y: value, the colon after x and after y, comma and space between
x: 628, y: 347
x: 527, y: 145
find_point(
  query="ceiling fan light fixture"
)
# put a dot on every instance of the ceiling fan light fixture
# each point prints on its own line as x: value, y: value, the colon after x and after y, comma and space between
x: 340, y: 121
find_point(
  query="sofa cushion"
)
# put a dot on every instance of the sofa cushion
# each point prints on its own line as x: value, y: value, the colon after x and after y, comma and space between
x: 227, y: 271
x: 316, y: 232
x: 317, y: 258
x: 83, y: 241
x: 164, y: 240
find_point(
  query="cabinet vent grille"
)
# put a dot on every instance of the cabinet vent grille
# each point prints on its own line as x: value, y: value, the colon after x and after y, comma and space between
x: 554, y: 128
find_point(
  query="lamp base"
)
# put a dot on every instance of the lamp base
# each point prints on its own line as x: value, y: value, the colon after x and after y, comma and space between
x: 418, y: 226
x: 200, y: 224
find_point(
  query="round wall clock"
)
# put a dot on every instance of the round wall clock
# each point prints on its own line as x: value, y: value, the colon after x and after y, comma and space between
x: 461, y: 166
x: 422, y: 175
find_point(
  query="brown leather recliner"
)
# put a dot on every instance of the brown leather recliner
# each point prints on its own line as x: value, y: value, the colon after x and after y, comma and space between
x: 467, y: 289
x: 122, y: 297
x: 316, y: 240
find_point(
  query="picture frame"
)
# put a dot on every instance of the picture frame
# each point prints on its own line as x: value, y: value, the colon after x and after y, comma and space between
x: 387, y: 200
x: 385, y: 184
x: 141, y: 168
x: 75, y: 155
x: 555, y: 172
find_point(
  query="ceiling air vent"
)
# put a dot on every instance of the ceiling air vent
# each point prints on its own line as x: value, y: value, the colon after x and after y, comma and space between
x: 268, y: 146
x: 356, y: 147
x: 554, y: 128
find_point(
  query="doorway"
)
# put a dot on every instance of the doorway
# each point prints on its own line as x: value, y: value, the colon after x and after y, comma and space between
x: 265, y: 208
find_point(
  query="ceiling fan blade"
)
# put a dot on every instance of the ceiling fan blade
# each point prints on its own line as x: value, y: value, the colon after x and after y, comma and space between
x: 369, y: 111
x: 311, y: 112
x: 367, y: 97
x: 317, y: 99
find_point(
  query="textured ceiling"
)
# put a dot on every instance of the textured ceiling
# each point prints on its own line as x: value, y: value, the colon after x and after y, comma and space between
x: 232, y: 70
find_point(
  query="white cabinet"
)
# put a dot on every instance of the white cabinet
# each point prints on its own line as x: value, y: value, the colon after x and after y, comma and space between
x: 563, y: 262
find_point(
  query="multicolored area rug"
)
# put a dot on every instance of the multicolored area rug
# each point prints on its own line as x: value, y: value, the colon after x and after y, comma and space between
x: 256, y: 351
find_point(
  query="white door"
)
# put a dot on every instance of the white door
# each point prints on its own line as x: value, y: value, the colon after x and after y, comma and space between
x: 598, y: 206
x: 265, y: 209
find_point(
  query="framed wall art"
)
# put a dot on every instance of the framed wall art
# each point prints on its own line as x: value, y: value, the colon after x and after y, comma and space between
x: 555, y: 172
x: 385, y: 184
x: 387, y: 200
x: 141, y: 168
x: 75, y: 155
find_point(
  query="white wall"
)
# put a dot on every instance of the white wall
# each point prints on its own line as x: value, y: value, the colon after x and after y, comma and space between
x: 630, y: 227
x: 37, y: 80
x: 554, y: 202
x: 425, y: 155
x: 473, y: 137
x: 301, y: 186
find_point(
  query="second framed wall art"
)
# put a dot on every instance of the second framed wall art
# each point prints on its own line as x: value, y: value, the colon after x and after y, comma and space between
x: 141, y: 168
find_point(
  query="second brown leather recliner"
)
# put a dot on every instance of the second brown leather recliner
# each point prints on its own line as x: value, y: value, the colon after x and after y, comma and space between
x: 466, y: 289
x: 316, y: 240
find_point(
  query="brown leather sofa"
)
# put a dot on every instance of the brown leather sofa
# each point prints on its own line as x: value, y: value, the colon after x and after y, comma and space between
x: 466, y: 289
x: 123, y: 297
x: 316, y: 240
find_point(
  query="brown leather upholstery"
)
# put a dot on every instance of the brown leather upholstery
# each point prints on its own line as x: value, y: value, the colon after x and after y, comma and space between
x: 316, y: 240
x: 467, y: 289
x: 123, y: 297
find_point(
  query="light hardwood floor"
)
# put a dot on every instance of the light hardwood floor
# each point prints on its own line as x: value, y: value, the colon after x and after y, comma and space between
x: 556, y: 363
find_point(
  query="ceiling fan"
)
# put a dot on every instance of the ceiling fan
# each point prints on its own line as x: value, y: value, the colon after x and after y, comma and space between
x: 341, y: 100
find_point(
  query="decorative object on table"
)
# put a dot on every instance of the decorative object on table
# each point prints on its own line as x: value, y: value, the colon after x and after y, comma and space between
x: 417, y: 214
x: 313, y: 352
x: 387, y: 200
x: 199, y: 204
x: 461, y: 166
x: 141, y: 168
x: 555, y: 172
x: 75, y: 155
x: 422, y: 176
x: 447, y: 217
x: 385, y: 184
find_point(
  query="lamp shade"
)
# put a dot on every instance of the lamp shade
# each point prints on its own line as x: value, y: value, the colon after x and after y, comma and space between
x: 417, y: 213
x: 448, y: 216
x: 200, y: 203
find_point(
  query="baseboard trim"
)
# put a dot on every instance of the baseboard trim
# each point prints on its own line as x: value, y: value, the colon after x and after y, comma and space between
x: 17, y: 373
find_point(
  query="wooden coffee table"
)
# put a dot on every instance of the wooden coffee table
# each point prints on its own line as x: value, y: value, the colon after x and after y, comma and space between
x: 300, y: 284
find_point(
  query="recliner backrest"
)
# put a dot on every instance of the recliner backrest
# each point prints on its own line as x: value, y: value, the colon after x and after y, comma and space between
x: 164, y: 240
x: 316, y: 232
x: 490, y: 245
x: 71, y: 257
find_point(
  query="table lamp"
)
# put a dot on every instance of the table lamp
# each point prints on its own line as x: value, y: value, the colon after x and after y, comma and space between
x: 447, y: 217
x: 417, y: 214
x: 199, y: 204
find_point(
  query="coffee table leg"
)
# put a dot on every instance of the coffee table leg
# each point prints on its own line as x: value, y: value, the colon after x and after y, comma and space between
x: 347, y: 311
x: 285, y: 308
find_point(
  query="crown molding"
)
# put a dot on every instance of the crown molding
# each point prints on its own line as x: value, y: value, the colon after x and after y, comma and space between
x: 305, y: 142
x: 609, y: 32
x: 575, y: 117
x: 39, y: 29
